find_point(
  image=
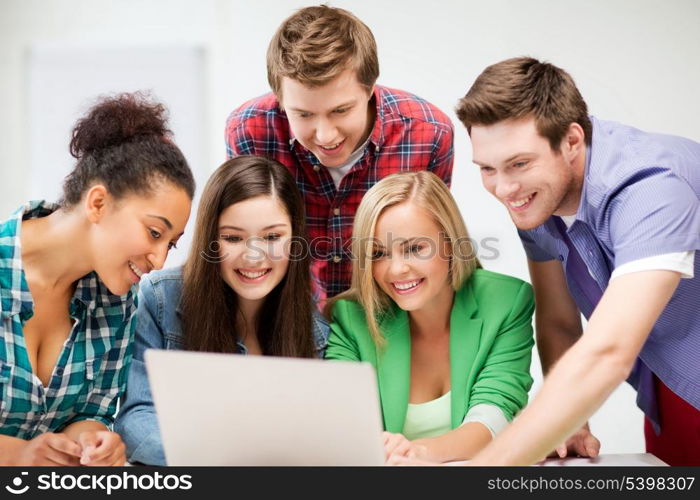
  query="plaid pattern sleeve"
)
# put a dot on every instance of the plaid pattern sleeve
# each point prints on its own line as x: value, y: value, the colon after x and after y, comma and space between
x: 91, y: 369
x: 409, y: 134
x: 443, y: 157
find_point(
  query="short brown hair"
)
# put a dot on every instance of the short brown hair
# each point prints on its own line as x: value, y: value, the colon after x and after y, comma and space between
x: 316, y: 44
x: 522, y: 87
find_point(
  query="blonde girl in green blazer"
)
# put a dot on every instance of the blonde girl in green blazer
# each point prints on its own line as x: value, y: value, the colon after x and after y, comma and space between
x: 451, y: 342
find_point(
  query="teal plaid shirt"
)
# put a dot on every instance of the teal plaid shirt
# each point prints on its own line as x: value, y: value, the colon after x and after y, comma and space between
x: 92, y: 368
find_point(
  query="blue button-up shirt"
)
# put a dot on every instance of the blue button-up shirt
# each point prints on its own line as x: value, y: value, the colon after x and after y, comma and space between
x: 640, y: 198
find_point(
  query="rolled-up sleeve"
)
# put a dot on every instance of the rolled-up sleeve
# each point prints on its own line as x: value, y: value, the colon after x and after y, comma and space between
x: 655, y: 212
x: 490, y: 416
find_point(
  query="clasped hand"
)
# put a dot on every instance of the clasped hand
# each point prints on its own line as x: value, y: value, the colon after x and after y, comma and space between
x: 93, y: 448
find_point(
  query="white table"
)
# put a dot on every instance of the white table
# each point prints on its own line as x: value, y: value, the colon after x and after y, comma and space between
x: 634, y: 459
x: 611, y: 460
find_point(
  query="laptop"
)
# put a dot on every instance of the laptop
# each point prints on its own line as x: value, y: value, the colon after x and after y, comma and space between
x: 229, y: 409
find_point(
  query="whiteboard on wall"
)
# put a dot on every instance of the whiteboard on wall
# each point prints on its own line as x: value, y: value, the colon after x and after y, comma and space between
x: 64, y: 80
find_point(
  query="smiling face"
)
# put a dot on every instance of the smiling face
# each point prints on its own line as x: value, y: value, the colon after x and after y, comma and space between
x: 519, y: 167
x: 331, y: 121
x: 411, y: 261
x: 133, y: 235
x: 254, y: 239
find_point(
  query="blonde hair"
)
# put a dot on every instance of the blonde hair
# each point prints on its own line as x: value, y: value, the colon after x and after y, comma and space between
x: 427, y: 191
x: 316, y: 44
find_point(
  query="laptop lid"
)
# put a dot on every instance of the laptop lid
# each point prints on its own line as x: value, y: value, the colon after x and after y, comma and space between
x: 228, y: 409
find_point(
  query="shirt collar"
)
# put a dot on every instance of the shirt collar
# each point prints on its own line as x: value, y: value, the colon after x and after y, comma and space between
x: 376, y: 137
x: 582, y: 213
x: 14, y: 291
x: 92, y: 293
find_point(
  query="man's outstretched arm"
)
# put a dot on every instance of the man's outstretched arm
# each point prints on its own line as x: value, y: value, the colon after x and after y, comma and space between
x: 588, y: 372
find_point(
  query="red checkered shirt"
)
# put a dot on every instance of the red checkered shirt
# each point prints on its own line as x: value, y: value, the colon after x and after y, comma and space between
x: 409, y: 134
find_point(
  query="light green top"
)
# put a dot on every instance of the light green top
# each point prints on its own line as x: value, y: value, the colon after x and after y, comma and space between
x: 429, y: 419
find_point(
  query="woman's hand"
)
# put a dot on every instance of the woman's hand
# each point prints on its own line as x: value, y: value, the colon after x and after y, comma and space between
x: 396, y: 445
x: 48, y: 449
x: 101, y: 448
x: 582, y: 443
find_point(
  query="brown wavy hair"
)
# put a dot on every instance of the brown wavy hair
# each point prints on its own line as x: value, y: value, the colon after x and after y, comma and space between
x: 316, y: 44
x: 209, y: 306
x: 522, y: 87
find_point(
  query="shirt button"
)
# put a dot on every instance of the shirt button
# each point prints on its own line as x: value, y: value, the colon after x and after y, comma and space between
x: 317, y: 168
x: 336, y: 211
x: 561, y: 258
x: 337, y: 258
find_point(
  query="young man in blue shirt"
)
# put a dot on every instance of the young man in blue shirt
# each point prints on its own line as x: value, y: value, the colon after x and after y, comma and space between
x: 610, y: 220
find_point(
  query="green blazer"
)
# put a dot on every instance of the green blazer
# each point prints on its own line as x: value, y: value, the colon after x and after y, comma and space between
x: 490, y: 348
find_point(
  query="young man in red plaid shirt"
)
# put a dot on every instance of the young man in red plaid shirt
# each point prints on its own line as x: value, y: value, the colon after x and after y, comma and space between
x: 335, y: 130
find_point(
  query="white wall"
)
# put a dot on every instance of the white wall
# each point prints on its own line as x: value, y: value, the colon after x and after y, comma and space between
x: 635, y: 61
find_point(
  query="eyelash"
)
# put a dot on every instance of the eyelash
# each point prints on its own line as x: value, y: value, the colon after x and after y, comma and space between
x: 377, y: 254
x: 230, y: 238
x: 237, y: 239
x: 338, y: 111
x: 414, y: 249
x: 156, y: 236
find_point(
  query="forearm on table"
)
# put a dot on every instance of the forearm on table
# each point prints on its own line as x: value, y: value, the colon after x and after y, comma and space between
x: 461, y: 443
x: 591, y: 369
x: 575, y: 388
x: 9, y: 446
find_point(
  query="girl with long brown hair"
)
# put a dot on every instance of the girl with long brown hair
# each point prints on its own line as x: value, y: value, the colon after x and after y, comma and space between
x: 245, y: 288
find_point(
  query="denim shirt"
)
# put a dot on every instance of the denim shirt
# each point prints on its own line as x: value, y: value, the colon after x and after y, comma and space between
x: 158, y: 327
